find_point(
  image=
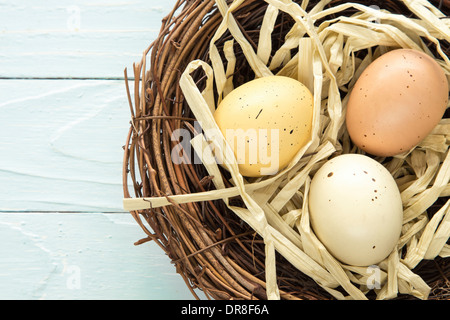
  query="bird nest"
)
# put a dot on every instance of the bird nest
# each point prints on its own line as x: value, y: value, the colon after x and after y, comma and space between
x: 234, y: 237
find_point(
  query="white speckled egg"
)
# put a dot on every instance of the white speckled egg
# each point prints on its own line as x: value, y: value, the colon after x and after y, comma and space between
x: 266, y: 121
x: 356, y: 209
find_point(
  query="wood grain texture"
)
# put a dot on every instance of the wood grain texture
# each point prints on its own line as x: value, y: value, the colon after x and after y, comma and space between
x: 64, y: 117
x: 87, y: 39
x: 81, y: 256
x: 62, y: 144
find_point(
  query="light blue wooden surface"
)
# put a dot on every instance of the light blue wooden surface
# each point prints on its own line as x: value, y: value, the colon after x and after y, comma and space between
x: 76, y: 38
x: 64, y: 119
x: 81, y: 256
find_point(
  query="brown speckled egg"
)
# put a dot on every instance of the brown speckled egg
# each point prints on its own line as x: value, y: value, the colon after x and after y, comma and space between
x: 396, y: 102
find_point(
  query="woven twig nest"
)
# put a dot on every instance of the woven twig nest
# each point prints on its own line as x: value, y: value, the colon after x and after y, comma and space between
x: 219, y: 228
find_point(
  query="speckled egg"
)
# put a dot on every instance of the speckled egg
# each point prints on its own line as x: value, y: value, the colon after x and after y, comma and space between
x: 356, y: 209
x: 396, y: 102
x: 266, y: 122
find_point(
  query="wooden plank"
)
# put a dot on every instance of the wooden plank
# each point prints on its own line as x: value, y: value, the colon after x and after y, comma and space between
x: 82, y: 256
x: 61, y: 146
x: 67, y: 39
x: 61, y: 151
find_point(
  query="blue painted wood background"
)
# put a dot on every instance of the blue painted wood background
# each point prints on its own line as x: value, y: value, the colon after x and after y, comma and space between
x: 64, y: 117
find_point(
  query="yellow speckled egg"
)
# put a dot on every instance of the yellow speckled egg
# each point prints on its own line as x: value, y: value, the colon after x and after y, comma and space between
x: 266, y: 121
x: 396, y: 102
